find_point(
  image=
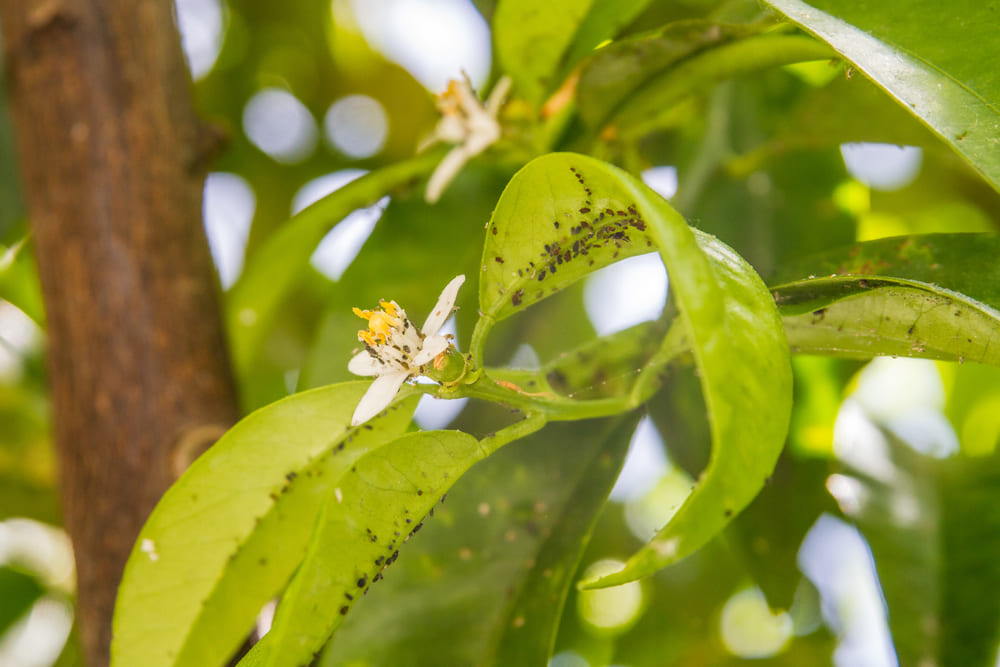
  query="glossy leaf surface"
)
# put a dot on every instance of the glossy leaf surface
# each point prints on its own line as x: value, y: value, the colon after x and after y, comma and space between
x: 730, y: 321
x: 934, y: 296
x: 374, y: 508
x: 912, y: 54
x: 227, y: 536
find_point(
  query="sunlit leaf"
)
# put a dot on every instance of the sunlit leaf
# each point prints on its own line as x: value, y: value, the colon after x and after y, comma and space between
x: 572, y: 213
x: 530, y: 39
x: 19, y: 281
x: 227, y: 536
x: 537, y: 42
x: 913, y: 55
x: 551, y: 228
x: 483, y: 583
x: 935, y: 296
x: 375, y: 507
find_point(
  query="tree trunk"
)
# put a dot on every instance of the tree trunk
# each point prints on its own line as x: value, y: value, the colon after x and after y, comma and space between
x: 112, y: 160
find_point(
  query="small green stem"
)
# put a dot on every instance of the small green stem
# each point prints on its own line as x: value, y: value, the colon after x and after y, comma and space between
x: 559, y: 408
x: 479, y: 333
x: 532, y: 423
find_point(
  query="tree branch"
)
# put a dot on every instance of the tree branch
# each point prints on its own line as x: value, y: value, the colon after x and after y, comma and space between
x: 112, y: 162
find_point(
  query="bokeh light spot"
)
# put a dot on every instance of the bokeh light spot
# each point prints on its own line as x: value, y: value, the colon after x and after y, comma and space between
x: 661, y: 179
x: 356, y: 125
x: 437, y: 413
x: 434, y: 41
x: 645, y: 463
x: 609, y: 611
x: 626, y: 293
x: 202, y: 25
x: 342, y: 243
x: 882, y: 166
x: 568, y: 659
x: 750, y: 630
x: 19, y: 336
x: 645, y: 515
x: 228, y: 209
x: 279, y: 124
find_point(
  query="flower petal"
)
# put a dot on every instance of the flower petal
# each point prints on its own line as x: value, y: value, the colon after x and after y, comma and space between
x: 378, y: 396
x: 446, y: 170
x: 498, y: 96
x: 443, y: 309
x: 433, y: 346
x: 365, y: 364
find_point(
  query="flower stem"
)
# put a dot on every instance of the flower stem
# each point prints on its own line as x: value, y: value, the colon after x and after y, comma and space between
x: 530, y: 424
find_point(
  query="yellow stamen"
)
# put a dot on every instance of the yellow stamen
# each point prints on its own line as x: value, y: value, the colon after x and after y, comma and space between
x: 380, y: 323
x: 390, y: 307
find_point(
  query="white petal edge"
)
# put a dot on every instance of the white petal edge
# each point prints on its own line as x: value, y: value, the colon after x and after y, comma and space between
x: 365, y: 364
x: 445, y: 304
x: 433, y: 346
x: 498, y: 96
x: 446, y: 170
x: 378, y: 396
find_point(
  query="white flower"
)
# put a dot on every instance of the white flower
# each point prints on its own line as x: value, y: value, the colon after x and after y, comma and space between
x: 467, y: 122
x: 396, y: 350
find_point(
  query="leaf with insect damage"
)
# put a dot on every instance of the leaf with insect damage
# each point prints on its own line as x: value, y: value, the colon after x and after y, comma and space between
x: 587, y: 214
x: 934, y: 296
x: 227, y: 536
x: 374, y: 508
x: 551, y: 228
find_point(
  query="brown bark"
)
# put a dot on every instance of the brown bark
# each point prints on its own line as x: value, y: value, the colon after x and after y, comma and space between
x: 112, y: 161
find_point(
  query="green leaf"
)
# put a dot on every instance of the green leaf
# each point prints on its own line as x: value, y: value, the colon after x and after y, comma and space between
x: 18, y: 591
x: 527, y: 632
x: 939, y: 567
x: 618, y: 70
x: 376, y: 506
x: 19, y: 281
x: 915, y: 56
x: 605, y: 19
x: 226, y: 537
x: 768, y: 534
x: 935, y: 296
x: 530, y: 39
x: 537, y: 43
x: 275, y: 269
x: 485, y: 580
x: 729, y: 320
x: 653, y: 105
x: 552, y: 227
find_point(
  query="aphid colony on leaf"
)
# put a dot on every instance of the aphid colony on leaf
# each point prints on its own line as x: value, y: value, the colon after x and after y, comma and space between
x: 600, y: 228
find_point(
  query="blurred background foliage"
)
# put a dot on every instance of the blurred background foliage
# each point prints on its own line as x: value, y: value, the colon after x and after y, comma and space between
x: 875, y: 542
